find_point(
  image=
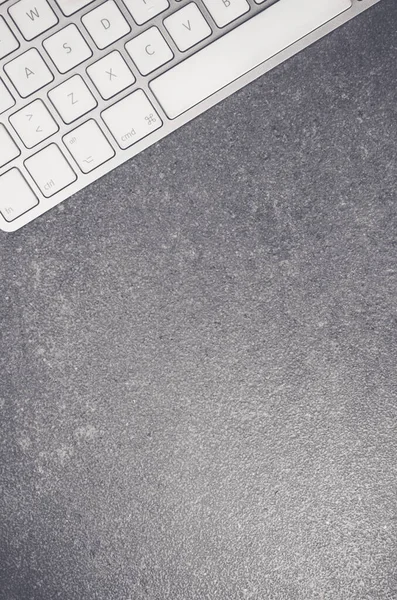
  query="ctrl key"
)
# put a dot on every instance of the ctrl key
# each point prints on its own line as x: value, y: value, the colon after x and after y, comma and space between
x: 16, y: 197
x: 50, y: 170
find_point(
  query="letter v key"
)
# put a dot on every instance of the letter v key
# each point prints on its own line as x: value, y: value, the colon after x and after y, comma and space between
x: 187, y: 27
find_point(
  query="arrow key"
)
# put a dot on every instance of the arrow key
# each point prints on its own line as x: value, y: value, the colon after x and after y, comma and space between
x: 34, y: 123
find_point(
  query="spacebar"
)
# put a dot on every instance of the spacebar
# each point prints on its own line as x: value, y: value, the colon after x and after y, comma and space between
x: 241, y: 50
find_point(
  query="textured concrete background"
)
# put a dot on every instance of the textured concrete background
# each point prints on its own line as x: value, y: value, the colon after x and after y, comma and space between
x: 198, y: 367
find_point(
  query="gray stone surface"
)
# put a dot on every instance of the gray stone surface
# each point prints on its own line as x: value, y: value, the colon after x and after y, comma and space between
x: 198, y: 353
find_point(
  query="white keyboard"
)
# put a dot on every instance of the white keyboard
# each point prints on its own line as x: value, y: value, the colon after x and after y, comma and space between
x: 87, y: 84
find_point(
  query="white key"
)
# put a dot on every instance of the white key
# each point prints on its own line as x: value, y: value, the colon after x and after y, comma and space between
x: 69, y: 7
x: 72, y: 99
x: 144, y: 10
x: 28, y: 72
x: 149, y: 50
x: 187, y: 27
x: 33, y: 123
x: 106, y: 24
x: 33, y: 17
x: 67, y: 48
x: 110, y: 75
x: 6, y: 100
x: 8, y: 41
x: 226, y: 11
x: 50, y: 170
x: 241, y: 50
x: 8, y: 148
x: 16, y: 197
x: 88, y: 146
x: 131, y: 119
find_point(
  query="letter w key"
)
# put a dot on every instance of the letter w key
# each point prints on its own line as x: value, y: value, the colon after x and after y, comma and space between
x: 32, y: 17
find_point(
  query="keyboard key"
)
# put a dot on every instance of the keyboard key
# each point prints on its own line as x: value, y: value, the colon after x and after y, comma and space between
x: 8, y: 148
x: 224, y: 61
x: 225, y: 11
x: 106, y: 24
x: 72, y: 99
x: 88, y: 146
x: 110, y: 75
x: 69, y: 7
x: 144, y: 10
x: 28, y: 72
x: 8, y: 41
x: 50, y: 170
x: 149, y: 51
x: 67, y: 48
x: 6, y: 100
x: 33, y: 123
x: 131, y: 119
x: 187, y: 27
x: 33, y: 17
x: 16, y: 197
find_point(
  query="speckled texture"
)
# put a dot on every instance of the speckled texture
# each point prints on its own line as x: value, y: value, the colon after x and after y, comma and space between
x: 198, y: 367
